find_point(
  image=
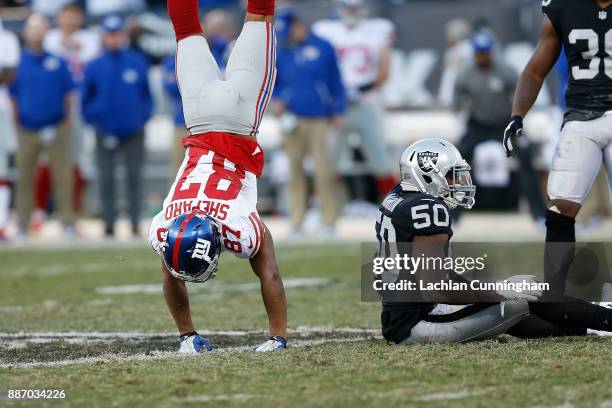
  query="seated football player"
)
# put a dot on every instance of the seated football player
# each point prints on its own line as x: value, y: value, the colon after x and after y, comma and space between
x: 414, y: 219
x: 211, y: 206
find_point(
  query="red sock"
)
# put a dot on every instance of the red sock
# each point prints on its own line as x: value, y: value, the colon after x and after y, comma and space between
x: 185, y: 18
x: 261, y: 7
x: 42, y: 188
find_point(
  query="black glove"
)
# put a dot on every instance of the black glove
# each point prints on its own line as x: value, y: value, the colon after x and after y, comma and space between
x: 514, y: 130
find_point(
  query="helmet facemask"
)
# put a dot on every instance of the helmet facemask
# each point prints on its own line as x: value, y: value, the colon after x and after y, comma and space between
x: 462, y: 191
x: 455, y: 187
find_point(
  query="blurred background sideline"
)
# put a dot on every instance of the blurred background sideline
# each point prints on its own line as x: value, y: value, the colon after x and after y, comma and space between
x: 95, y: 171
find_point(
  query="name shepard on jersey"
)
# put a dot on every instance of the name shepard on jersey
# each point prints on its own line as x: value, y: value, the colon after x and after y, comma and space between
x: 447, y: 285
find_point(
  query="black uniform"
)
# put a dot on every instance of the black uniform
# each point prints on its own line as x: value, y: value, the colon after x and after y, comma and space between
x: 404, y: 215
x: 585, y: 29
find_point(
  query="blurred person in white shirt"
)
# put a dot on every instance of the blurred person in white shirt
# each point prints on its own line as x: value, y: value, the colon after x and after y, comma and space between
x: 364, y: 47
x: 77, y: 46
x: 69, y: 40
x: 49, y: 8
x: 9, y: 59
x: 457, y: 57
x: 100, y: 8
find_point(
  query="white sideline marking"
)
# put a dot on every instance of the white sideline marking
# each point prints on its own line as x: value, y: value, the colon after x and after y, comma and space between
x: 10, y: 309
x: 446, y: 396
x: 214, y: 398
x: 300, y: 330
x: 161, y: 355
x: 215, y: 287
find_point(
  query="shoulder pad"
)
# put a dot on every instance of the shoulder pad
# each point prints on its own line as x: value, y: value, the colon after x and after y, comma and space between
x: 550, y: 7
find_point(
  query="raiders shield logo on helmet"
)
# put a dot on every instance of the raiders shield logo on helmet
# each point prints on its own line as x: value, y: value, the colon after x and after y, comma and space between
x: 425, y: 160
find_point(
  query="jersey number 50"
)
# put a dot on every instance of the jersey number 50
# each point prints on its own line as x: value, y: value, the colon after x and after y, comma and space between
x: 592, y: 39
x: 422, y: 218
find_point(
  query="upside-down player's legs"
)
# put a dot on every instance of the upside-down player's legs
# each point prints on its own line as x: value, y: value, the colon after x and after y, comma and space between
x: 195, y: 68
x: 234, y: 104
x: 251, y: 69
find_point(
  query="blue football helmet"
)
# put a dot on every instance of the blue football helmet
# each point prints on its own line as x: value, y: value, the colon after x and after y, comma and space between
x: 192, y: 248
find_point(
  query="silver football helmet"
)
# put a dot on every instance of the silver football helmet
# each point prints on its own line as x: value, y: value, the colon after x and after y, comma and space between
x: 435, y: 167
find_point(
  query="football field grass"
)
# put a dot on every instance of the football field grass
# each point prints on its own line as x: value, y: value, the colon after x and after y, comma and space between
x: 93, y: 322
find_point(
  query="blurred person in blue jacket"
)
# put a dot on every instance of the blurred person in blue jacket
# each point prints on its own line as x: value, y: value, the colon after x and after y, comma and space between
x: 309, y: 95
x: 117, y: 102
x: 42, y: 96
x: 214, y: 4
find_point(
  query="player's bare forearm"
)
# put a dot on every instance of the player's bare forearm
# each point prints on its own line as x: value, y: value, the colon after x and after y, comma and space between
x: 272, y: 290
x: 177, y: 299
x: 527, y: 91
x: 531, y: 80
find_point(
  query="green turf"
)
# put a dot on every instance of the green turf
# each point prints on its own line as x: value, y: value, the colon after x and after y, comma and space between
x: 59, y: 291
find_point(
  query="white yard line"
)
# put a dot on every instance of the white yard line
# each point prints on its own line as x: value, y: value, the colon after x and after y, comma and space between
x: 447, y: 396
x: 215, y: 398
x: 109, y: 358
x: 301, y: 330
x: 213, y: 287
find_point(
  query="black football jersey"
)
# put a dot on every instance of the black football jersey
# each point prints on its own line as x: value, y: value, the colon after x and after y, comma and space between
x: 402, y: 216
x: 586, y: 32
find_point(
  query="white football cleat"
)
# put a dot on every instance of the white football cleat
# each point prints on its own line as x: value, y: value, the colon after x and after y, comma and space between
x: 275, y: 343
x: 193, y: 344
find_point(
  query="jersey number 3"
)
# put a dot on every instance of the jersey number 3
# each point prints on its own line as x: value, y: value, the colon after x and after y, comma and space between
x: 591, y: 53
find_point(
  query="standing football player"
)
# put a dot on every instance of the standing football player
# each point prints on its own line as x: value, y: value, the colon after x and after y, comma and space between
x: 364, y: 46
x: 212, y: 205
x: 414, y: 219
x: 584, y: 29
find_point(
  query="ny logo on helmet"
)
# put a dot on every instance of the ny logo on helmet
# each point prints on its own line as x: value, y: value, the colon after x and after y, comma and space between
x: 201, y: 249
x: 426, y: 160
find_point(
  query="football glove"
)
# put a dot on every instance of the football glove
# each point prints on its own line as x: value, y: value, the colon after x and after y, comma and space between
x: 526, y: 294
x: 275, y: 343
x: 512, y: 132
x: 193, y: 343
